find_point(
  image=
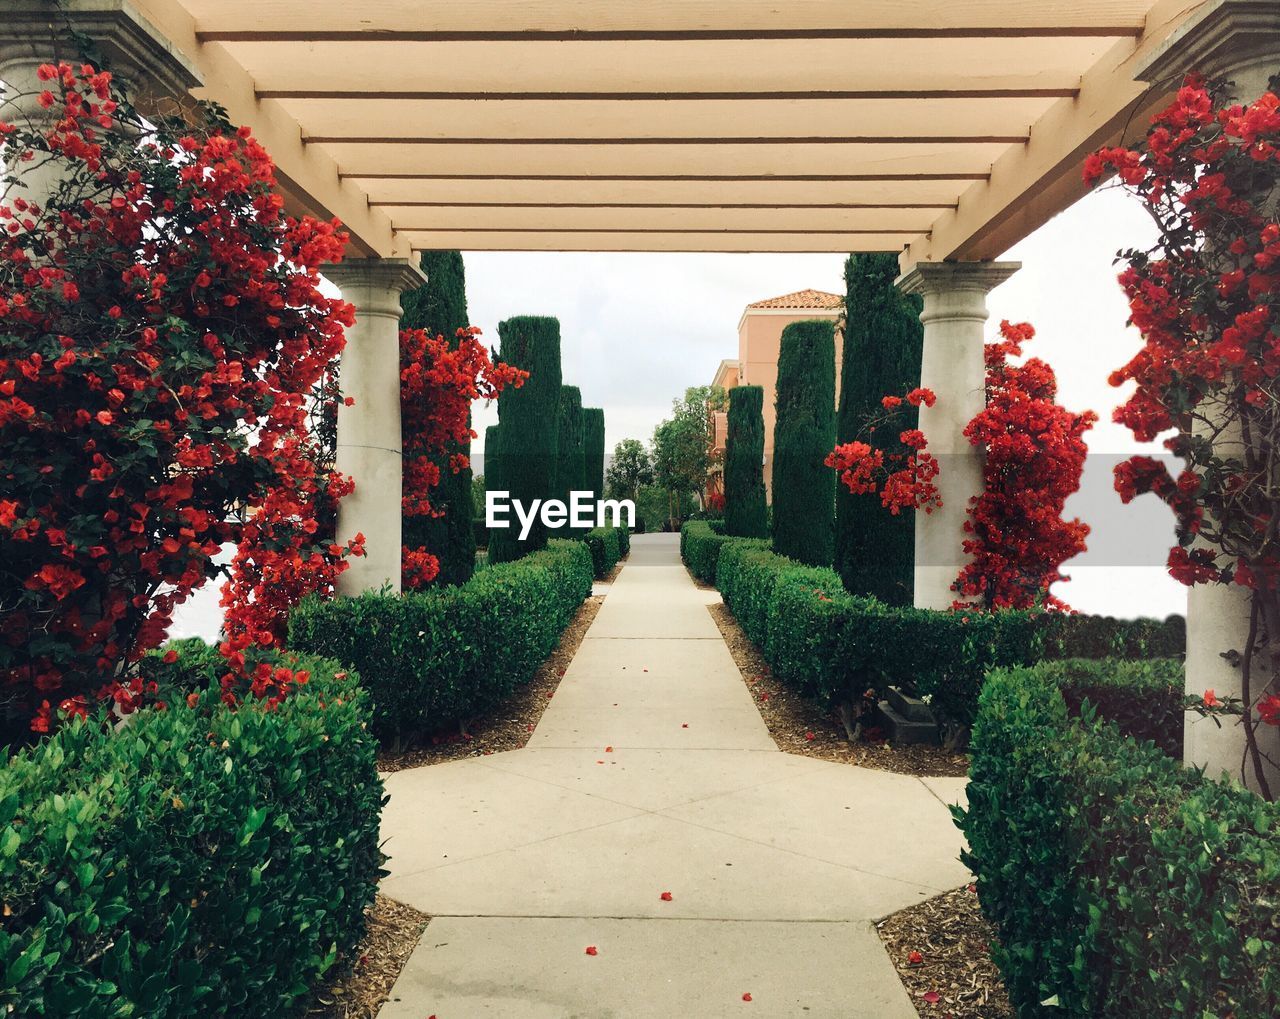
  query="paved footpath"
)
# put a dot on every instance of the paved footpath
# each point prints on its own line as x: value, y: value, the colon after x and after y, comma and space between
x: 776, y: 864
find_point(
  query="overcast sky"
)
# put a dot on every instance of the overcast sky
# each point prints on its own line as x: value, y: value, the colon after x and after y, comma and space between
x: 637, y: 329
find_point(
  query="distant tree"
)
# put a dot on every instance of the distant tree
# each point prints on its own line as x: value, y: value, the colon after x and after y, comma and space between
x: 527, y: 422
x: 630, y: 469
x: 440, y: 307
x: 745, y: 513
x: 804, y: 493
x: 883, y: 340
x: 593, y: 441
x: 682, y: 455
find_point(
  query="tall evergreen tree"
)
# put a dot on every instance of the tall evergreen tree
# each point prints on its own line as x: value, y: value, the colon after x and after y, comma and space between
x: 883, y: 340
x: 804, y: 488
x: 571, y: 463
x: 527, y: 420
x: 745, y: 514
x: 440, y: 307
x: 593, y: 440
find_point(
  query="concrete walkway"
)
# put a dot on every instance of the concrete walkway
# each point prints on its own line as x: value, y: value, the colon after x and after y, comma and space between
x: 652, y: 772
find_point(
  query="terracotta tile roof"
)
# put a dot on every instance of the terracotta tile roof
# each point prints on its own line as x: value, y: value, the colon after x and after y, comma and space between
x: 802, y: 299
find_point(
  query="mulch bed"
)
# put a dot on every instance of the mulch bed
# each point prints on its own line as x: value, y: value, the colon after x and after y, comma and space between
x: 953, y: 976
x: 510, y: 726
x: 799, y: 726
x: 358, y: 993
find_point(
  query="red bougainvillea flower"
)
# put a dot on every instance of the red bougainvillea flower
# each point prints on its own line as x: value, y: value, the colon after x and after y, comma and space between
x: 1211, y: 699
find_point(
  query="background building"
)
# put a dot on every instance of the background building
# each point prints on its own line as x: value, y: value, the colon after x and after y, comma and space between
x: 759, y: 340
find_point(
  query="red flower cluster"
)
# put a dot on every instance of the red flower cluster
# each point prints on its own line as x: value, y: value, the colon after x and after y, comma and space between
x: 902, y: 474
x: 1035, y: 454
x: 1206, y: 300
x: 163, y: 332
x: 439, y: 382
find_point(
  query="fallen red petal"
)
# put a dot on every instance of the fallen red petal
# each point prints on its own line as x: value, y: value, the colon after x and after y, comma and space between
x: 747, y: 996
x: 915, y: 958
x: 932, y: 997
x: 592, y: 950
x: 809, y: 735
x: 665, y: 896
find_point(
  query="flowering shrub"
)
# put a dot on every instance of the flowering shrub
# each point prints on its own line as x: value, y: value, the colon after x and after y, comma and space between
x: 161, y: 331
x: 903, y: 474
x: 1035, y: 454
x: 438, y: 383
x: 1206, y: 300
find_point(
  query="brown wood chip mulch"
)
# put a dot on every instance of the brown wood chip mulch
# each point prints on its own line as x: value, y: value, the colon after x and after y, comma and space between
x: 799, y: 726
x: 953, y: 976
x: 359, y: 990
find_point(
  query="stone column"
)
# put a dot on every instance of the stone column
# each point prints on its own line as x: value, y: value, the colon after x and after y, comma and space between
x: 1237, y: 40
x: 954, y: 315
x: 33, y: 32
x: 369, y: 445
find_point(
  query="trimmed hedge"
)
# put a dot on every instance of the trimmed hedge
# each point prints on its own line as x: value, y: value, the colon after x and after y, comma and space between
x: 201, y: 860
x: 883, y: 342
x: 804, y: 488
x: 609, y: 546
x: 1088, y: 846
x: 745, y: 510
x: 834, y: 646
x: 435, y: 658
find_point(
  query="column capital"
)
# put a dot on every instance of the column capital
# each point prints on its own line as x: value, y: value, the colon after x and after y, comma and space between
x: 375, y: 284
x: 35, y: 31
x: 1234, y: 39
x: 935, y: 277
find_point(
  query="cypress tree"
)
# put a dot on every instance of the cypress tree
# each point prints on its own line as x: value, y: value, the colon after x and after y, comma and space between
x: 804, y: 494
x: 593, y: 441
x: 571, y: 465
x: 440, y: 307
x: 883, y: 340
x: 493, y: 459
x: 744, y: 499
x: 527, y: 420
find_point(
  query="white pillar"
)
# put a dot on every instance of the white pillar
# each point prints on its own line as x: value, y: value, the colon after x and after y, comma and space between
x: 954, y: 316
x: 33, y: 32
x: 369, y: 445
x: 1237, y: 40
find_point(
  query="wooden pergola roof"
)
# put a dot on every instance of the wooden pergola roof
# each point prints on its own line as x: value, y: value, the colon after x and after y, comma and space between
x: 944, y: 128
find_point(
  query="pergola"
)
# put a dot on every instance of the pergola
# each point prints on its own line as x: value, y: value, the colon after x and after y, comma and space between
x: 944, y: 129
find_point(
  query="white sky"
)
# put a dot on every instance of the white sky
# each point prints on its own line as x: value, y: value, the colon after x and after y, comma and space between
x: 637, y: 329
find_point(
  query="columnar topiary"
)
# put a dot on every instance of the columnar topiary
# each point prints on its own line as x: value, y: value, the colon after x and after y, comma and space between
x: 527, y: 419
x: 570, y: 452
x: 593, y: 441
x: 804, y: 494
x: 440, y: 307
x: 883, y: 338
x: 744, y: 499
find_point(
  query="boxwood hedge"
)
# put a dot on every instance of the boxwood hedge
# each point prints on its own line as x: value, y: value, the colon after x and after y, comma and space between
x: 1088, y: 845
x: 434, y: 658
x: 608, y: 545
x: 834, y: 646
x: 201, y: 860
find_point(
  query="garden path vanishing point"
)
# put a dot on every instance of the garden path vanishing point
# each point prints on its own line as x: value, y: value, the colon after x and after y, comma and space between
x: 650, y: 772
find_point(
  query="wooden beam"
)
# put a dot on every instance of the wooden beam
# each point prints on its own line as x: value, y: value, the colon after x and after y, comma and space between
x: 1031, y: 184
x: 766, y: 95
x: 308, y: 176
x: 662, y: 219
x: 664, y: 241
x: 664, y: 177
x: 994, y: 139
x: 393, y: 35
x: 647, y: 16
x: 663, y: 205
